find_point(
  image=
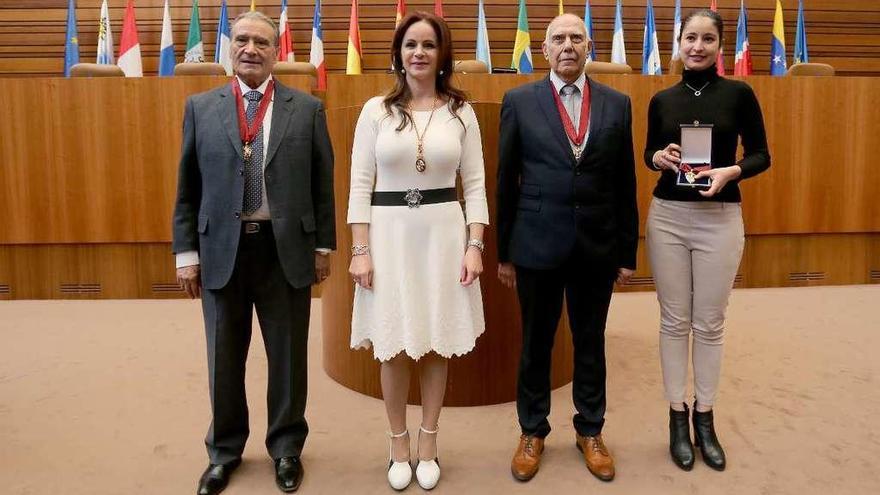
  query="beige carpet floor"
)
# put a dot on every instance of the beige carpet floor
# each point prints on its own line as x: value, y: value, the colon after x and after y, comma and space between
x: 110, y: 397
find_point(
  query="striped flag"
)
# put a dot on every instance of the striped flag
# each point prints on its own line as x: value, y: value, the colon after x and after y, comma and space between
x: 483, y: 54
x: 105, y: 38
x: 195, y: 52
x: 719, y: 61
x: 778, y: 64
x: 401, y: 11
x: 676, y: 31
x: 129, y: 46
x: 71, y: 43
x: 353, y: 58
x: 316, y: 55
x: 522, y: 52
x: 588, y: 24
x: 286, y: 41
x: 801, y: 54
x: 223, y: 46
x: 438, y: 8
x: 166, y: 45
x: 650, y: 47
x: 742, y: 62
x: 618, y: 50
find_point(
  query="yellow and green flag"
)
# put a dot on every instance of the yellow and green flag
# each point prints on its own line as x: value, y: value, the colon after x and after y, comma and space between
x: 522, y: 53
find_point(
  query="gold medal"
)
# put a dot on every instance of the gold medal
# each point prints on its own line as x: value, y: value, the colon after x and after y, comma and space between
x: 690, y: 176
x: 246, y: 151
x: 577, y: 153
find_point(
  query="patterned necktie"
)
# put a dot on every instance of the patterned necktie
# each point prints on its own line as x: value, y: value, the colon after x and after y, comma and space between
x: 567, y: 92
x: 253, y: 168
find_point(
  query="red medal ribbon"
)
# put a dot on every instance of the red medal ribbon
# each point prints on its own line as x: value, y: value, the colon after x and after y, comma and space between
x: 245, y: 131
x: 578, y: 138
x: 684, y: 167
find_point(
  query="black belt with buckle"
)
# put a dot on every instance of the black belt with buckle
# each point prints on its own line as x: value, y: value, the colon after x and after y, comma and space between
x: 414, y: 197
x: 256, y: 227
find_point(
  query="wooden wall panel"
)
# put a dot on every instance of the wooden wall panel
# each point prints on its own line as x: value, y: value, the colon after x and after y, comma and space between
x: 93, y: 160
x: 843, y: 33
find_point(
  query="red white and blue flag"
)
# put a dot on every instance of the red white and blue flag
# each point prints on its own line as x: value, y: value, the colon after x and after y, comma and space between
x: 286, y: 52
x: 742, y: 65
x: 316, y: 56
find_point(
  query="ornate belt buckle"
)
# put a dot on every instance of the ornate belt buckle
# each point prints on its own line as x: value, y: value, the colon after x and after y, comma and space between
x: 251, y: 227
x: 413, y: 198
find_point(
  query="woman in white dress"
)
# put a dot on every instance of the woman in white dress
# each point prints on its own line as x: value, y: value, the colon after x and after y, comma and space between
x: 416, y: 257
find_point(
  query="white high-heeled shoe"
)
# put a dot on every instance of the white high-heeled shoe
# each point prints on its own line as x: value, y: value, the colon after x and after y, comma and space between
x: 399, y: 473
x: 428, y: 472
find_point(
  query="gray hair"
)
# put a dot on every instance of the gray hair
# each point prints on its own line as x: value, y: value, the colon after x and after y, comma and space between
x: 256, y: 15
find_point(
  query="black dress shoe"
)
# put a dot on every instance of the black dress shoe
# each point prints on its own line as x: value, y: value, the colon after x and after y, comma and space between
x: 216, y: 477
x: 288, y: 473
x: 680, y: 446
x: 707, y: 441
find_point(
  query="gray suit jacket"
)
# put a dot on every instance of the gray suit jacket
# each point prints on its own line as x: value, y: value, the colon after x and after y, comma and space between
x: 298, y: 176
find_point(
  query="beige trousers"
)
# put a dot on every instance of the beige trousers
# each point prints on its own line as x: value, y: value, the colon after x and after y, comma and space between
x: 695, y: 250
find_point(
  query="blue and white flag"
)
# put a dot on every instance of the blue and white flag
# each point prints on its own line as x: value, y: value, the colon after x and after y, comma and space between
x: 588, y: 24
x: 105, y: 38
x: 224, y: 41
x: 166, y: 45
x: 618, y: 50
x: 71, y: 43
x: 676, y: 31
x: 650, y: 48
x: 801, y: 54
x: 483, y: 54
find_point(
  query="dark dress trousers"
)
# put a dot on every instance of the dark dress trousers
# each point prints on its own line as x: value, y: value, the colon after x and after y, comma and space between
x: 567, y: 226
x: 271, y: 270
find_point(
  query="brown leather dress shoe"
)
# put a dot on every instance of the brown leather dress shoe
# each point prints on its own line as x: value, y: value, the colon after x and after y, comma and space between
x: 527, y: 457
x: 597, y: 457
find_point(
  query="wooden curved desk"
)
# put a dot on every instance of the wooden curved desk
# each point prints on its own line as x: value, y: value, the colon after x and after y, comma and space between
x: 487, y: 375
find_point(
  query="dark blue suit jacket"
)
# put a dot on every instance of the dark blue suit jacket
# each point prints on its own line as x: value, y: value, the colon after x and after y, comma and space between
x: 551, y: 207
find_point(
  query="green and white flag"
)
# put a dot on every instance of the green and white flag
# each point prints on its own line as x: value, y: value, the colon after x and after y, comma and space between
x: 195, y: 52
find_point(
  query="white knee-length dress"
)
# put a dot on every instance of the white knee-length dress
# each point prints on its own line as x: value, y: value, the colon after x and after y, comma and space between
x: 417, y: 303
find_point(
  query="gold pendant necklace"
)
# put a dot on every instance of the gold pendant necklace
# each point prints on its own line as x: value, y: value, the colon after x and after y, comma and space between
x: 421, y: 165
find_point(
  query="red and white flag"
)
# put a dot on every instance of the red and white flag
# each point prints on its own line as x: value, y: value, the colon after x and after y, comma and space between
x: 129, y: 47
x: 285, y: 54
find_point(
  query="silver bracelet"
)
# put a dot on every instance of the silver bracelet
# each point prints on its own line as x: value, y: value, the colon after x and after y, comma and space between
x: 477, y: 244
x: 360, y: 249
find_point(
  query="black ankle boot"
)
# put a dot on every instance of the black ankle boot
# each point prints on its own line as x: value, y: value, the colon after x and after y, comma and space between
x: 680, y: 446
x: 707, y: 441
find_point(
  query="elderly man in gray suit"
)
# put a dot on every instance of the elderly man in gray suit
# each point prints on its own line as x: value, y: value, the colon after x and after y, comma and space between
x: 253, y: 228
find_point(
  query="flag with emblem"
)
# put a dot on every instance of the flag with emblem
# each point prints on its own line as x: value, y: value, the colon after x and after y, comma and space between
x: 105, y: 37
x: 801, y: 55
x: 588, y: 24
x: 353, y: 57
x: 71, y: 44
x: 195, y: 51
x: 778, y: 65
x: 650, y: 47
x: 129, y: 46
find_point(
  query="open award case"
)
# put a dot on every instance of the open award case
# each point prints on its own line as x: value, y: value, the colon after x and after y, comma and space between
x: 696, y: 155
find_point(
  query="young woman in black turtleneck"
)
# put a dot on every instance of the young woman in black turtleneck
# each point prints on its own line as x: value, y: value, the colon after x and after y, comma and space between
x: 695, y: 236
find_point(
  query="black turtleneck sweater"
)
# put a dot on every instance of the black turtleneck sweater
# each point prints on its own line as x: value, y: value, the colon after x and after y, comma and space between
x: 733, y: 110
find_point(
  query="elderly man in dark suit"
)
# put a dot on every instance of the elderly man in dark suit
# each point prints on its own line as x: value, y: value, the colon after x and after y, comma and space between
x: 253, y: 227
x: 567, y: 224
